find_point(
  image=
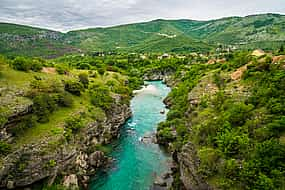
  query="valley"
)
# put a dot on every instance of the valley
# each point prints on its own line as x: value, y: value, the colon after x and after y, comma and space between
x: 165, y: 104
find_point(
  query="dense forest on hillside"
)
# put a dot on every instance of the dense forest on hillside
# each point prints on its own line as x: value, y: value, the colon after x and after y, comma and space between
x: 230, y: 117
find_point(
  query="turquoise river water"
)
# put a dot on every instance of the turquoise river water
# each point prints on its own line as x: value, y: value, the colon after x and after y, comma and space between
x: 137, y: 162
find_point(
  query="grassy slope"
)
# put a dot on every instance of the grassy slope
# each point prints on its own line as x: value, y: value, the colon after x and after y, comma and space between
x: 265, y: 29
x: 20, y: 81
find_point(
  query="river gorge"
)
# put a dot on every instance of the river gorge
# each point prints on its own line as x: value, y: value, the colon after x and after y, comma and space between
x: 138, y: 160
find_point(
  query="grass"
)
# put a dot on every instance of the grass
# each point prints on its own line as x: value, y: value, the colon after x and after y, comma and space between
x: 18, y: 80
x: 15, y: 78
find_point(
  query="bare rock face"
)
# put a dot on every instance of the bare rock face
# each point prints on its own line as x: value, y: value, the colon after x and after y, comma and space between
x: 75, y: 160
x: 71, y: 182
x: 189, y: 163
x: 97, y: 159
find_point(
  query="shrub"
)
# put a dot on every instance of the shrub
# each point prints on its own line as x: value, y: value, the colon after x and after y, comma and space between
x: 43, y: 106
x: 21, y: 64
x: 65, y: 99
x: 36, y: 65
x: 83, y: 78
x: 209, y: 158
x: 74, y: 124
x: 165, y: 135
x: 28, y: 121
x: 100, y: 97
x: 84, y: 66
x: 101, y: 71
x: 4, y: 148
x: 60, y: 70
x: 74, y: 87
x: 232, y: 143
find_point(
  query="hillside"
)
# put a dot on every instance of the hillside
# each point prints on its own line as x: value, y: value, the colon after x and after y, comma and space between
x: 266, y: 30
x: 226, y: 122
x: 56, y: 119
x: 30, y: 41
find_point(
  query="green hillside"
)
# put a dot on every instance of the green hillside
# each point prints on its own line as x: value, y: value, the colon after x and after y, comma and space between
x: 25, y: 40
x: 266, y: 30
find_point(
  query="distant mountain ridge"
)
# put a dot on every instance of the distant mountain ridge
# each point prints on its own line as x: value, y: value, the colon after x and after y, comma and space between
x: 265, y: 30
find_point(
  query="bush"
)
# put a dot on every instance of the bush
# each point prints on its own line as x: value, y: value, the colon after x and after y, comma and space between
x: 28, y: 121
x: 100, y: 97
x: 232, y: 143
x: 61, y: 69
x: 84, y: 66
x: 43, y: 106
x: 74, y: 87
x: 83, y: 78
x: 209, y: 159
x: 165, y: 135
x: 65, y: 99
x: 36, y: 66
x: 74, y: 124
x: 4, y: 148
x: 101, y: 71
x: 21, y: 64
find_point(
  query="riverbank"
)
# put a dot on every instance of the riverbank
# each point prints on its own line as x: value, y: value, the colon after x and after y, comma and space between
x: 138, y: 161
x: 54, y: 126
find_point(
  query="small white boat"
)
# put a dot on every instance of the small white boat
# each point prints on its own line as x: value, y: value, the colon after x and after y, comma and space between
x: 162, y: 111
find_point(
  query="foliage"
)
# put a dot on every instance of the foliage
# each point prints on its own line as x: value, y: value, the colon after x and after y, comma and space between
x: 43, y: 105
x: 100, y: 97
x: 4, y: 148
x: 72, y: 126
x: 236, y: 135
x: 83, y: 78
x: 21, y: 64
x: 65, y: 99
x: 74, y: 87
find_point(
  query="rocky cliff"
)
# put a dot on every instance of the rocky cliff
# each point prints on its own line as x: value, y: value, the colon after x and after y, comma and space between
x: 73, y: 161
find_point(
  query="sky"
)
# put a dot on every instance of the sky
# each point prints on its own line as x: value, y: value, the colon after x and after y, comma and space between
x: 65, y: 15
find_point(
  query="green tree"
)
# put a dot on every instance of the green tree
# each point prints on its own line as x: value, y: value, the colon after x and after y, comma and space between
x: 43, y: 106
x: 74, y: 87
x: 21, y: 64
x: 83, y: 78
x: 101, y: 97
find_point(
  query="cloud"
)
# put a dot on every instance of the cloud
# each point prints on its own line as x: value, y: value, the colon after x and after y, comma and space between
x: 72, y: 14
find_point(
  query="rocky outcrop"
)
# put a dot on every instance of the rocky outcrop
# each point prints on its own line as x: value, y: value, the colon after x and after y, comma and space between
x: 73, y: 160
x: 155, y: 75
x: 188, y: 166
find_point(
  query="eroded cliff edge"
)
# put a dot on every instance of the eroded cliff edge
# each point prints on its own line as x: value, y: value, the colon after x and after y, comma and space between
x: 74, y: 161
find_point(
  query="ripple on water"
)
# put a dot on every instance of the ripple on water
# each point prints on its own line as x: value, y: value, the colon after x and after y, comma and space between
x: 137, y: 163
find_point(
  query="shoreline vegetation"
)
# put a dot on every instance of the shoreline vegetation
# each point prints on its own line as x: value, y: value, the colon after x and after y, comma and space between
x: 225, y: 127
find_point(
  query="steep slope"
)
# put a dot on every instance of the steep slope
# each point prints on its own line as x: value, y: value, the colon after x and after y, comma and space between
x: 225, y: 126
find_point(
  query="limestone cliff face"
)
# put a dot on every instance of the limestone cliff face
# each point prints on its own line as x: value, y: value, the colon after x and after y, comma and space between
x: 188, y: 167
x: 74, y: 160
x: 155, y: 75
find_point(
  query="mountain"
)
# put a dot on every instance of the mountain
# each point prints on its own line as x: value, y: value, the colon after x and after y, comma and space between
x: 25, y: 40
x: 265, y: 30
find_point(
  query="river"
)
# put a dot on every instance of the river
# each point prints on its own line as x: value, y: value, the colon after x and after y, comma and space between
x: 137, y: 160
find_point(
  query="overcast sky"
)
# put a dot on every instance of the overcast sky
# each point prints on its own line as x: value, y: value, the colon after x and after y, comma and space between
x: 65, y: 15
